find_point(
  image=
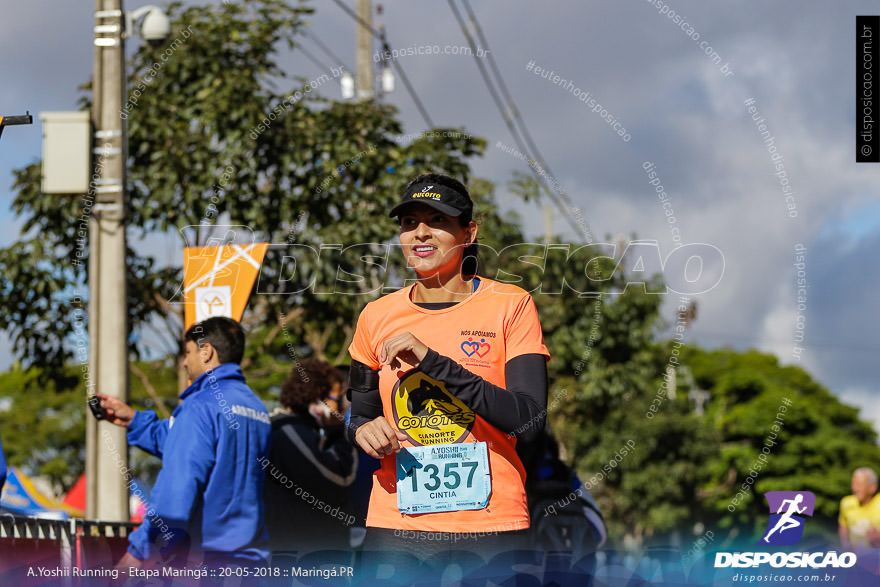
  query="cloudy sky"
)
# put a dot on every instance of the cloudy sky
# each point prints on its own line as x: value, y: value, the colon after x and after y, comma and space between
x: 650, y: 72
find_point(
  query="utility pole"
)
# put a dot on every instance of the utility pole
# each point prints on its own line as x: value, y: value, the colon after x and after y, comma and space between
x: 364, y: 38
x: 107, y: 448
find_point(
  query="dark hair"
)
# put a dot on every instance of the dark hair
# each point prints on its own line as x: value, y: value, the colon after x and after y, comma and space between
x: 470, y: 261
x: 310, y: 380
x: 224, y: 334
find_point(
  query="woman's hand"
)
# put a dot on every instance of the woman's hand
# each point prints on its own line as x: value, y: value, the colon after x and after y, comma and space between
x: 403, y: 347
x: 377, y: 438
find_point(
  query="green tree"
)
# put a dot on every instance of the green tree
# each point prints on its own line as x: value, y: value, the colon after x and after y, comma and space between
x: 634, y: 441
x: 610, y: 374
x: 220, y: 134
x: 692, y: 471
x: 814, y: 441
x: 609, y: 366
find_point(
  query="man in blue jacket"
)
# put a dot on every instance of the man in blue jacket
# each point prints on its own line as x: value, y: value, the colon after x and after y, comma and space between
x: 208, y: 495
x: 2, y: 468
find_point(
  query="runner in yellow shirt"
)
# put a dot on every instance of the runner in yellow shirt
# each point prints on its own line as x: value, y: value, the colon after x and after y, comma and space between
x: 859, y: 522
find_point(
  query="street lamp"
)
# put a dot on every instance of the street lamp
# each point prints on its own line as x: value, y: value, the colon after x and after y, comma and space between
x: 387, y: 79
x: 15, y: 120
x: 346, y: 82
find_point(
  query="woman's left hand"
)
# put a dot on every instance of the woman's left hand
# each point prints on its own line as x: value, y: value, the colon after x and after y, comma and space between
x: 403, y: 348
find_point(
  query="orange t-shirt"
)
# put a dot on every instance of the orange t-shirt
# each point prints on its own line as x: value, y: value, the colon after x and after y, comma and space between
x: 495, y: 324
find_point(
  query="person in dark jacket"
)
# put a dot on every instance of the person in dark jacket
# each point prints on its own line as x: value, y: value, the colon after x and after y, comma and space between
x: 208, y: 494
x: 311, y: 465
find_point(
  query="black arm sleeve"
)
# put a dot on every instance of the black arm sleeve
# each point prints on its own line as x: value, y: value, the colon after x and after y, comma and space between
x: 520, y: 410
x: 366, y: 403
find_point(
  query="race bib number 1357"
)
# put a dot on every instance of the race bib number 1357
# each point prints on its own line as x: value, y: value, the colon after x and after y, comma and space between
x: 443, y: 478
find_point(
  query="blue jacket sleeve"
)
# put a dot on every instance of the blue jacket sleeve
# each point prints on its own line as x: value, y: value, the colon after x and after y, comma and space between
x: 189, y: 458
x: 148, y: 432
x: 2, y: 467
x: 138, y: 541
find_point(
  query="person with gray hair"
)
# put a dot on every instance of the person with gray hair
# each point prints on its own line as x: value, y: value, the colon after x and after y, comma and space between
x: 859, y: 521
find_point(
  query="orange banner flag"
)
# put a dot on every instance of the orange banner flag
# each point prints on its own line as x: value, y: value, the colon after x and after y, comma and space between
x: 217, y: 281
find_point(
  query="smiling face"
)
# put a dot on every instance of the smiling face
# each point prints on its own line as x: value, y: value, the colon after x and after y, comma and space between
x: 433, y: 242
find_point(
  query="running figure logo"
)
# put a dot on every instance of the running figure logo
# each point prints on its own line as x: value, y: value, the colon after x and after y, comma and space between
x: 786, y: 525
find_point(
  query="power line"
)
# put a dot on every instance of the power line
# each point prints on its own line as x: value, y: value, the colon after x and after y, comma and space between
x: 313, y: 59
x: 386, y: 48
x: 532, y: 152
x: 411, y: 91
x: 500, y: 80
x: 511, y: 117
x: 323, y: 46
x: 522, y: 123
x: 489, y: 85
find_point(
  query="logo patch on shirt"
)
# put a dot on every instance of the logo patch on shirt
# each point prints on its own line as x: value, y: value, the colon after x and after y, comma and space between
x: 480, y: 348
x: 427, y: 412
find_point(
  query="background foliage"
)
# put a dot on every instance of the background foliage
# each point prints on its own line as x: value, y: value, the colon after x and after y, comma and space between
x: 322, y: 173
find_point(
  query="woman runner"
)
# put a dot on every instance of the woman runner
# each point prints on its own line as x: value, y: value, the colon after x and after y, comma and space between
x: 447, y: 375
